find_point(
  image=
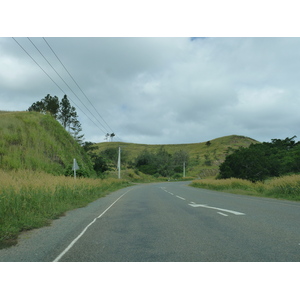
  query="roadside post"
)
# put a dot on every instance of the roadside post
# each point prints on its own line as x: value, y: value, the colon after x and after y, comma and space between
x: 119, y: 163
x: 75, y: 167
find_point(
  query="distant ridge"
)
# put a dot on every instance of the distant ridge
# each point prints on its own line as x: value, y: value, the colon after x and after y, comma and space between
x: 205, y: 157
x: 34, y: 141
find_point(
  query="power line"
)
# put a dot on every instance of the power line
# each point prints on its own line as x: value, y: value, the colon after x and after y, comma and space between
x: 54, y: 81
x: 77, y: 84
x: 65, y: 82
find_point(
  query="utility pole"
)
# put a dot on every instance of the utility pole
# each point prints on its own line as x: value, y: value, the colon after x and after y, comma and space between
x: 184, y: 169
x: 119, y: 164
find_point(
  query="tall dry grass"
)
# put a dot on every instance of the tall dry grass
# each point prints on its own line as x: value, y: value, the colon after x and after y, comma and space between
x: 32, y: 199
x: 286, y: 187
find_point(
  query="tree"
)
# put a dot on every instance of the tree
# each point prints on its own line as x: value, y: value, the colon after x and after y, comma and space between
x: 246, y: 163
x: 179, y: 158
x: 161, y: 162
x: 109, y: 136
x: 111, y: 155
x: 61, y: 111
x: 48, y: 104
x: 112, y: 135
x: 146, y: 163
x: 52, y: 105
x: 66, y: 112
x: 100, y: 163
x: 89, y: 146
x: 69, y: 119
x: 260, y: 161
x: 164, y: 162
x: 76, y: 129
x: 38, y: 106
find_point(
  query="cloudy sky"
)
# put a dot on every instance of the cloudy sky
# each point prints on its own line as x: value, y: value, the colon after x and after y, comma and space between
x: 161, y: 90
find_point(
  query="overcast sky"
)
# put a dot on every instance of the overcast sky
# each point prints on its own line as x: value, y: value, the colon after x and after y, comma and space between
x: 162, y: 90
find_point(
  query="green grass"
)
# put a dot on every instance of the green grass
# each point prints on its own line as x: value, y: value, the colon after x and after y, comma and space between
x: 33, y: 141
x: 32, y: 199
x: 286, y: 187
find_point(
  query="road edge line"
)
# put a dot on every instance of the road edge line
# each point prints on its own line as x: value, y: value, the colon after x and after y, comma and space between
x: 85, y: 229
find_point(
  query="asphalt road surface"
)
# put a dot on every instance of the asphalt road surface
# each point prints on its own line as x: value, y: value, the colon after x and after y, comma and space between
x: 168, y: 222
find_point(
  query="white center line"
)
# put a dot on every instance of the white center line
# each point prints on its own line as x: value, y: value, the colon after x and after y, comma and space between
x: 180, y: 197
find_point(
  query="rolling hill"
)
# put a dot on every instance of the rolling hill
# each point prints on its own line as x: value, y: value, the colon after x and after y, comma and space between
x: 204, y: 158
x: 34, y: 141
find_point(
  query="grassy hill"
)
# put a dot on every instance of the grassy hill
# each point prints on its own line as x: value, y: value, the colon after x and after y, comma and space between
x: 33, y: 141
x: 33, y: 148
x: 205, y: 158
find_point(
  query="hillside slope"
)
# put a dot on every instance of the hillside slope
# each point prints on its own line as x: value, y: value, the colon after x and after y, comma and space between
x: 33, y: 141
x: 205, y: 158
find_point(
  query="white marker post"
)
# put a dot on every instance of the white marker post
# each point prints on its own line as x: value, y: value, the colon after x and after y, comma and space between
x: 75, y: 167
x: 119, y: 163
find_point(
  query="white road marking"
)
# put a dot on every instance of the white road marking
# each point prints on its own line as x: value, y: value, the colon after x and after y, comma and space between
x: 85, y: 229
x: 222, y: 214
x: 217, y: 208
x: 167, y: 191
x: 180, y: 197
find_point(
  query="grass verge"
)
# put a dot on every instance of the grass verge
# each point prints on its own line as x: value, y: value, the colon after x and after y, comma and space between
x: 31, y: 200
x: 286, y: 187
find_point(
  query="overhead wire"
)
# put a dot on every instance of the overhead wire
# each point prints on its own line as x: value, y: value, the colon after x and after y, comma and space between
x: 111, y: 130
x: 66, y: 83
x: 76, y: 83
x: 55, y: 82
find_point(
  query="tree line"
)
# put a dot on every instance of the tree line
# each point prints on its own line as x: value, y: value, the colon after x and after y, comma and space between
x: 159, y: 163
x: 162, y: 163
x: 63, y: 112
x: 261, y: 161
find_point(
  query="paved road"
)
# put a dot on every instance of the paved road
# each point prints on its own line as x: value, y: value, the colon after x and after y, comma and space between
x: 168, y: 222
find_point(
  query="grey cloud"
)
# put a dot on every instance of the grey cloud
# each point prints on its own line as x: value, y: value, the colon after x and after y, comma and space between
x: 166, y: 90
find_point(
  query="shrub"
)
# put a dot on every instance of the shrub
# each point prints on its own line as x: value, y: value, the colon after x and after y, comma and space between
x: 286, y: 187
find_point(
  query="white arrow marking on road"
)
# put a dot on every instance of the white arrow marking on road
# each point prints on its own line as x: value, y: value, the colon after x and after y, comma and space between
x: 222, y: 214
x: 222, y: 209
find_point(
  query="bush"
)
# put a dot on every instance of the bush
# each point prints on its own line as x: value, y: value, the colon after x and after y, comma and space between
x: 31, y: 199
x: 261, y: 161
x: 286, y: 187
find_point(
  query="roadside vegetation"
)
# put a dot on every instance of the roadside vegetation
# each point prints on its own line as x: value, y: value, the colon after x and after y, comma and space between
x: 201, y: 159
x: 262, y: 161
x: 285, y: 187
x: 37, y: 149
x: 266, y: 169
x: 30, y: 199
